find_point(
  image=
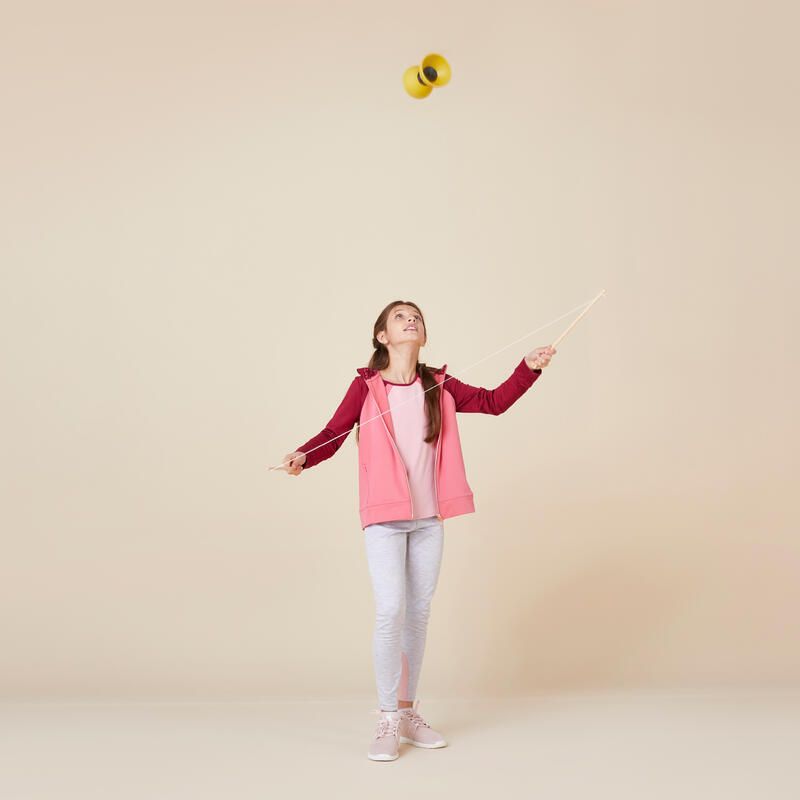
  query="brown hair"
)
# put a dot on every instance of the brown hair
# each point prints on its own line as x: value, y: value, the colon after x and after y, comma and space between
x: 380, y: 360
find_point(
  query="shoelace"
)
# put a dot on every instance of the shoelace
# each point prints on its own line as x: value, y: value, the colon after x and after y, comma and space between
x: 415, y: 718
x: 387, y: 726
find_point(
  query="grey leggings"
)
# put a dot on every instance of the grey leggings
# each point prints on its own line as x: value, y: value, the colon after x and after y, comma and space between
x: 404, y: 557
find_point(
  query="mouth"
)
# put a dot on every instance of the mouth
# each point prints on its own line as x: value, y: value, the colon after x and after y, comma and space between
x: 411, y: 328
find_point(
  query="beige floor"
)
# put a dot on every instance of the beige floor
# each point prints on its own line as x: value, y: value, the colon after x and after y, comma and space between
x: 681, y: 744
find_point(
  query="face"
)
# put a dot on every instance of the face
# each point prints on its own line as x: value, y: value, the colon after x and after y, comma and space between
x: 400, y: 326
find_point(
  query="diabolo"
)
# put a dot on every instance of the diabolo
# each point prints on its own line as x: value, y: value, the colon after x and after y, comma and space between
x: 432, y: 72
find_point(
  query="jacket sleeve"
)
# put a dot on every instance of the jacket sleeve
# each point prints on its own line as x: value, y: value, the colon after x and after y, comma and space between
x: 340, y: 423
x: 492, y: 401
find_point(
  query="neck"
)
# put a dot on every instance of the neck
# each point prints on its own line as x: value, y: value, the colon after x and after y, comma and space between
x: 402, y: 364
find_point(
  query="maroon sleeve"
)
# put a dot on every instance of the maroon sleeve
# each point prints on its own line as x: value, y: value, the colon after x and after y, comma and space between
x: 492, y: 401
x: 341, y: 423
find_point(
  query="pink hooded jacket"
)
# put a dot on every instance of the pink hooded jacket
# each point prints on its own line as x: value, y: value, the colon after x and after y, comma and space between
x: 383, y: 489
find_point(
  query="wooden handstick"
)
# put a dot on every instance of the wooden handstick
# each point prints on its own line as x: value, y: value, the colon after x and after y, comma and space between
x: 576, y: 321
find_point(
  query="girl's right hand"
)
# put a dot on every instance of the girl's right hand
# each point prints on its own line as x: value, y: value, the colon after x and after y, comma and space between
x: 296, y: 460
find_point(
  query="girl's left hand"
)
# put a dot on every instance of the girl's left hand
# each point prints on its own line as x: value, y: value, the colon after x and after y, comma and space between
x: 540, y: 357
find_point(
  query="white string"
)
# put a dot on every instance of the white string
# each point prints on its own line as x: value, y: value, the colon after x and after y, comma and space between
x: 410, y: 399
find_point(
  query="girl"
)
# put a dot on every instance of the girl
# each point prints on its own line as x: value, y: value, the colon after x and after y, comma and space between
x: 411, y: 477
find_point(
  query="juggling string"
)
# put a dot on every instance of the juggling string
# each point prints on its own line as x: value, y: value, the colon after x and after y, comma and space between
x: 505, y: 347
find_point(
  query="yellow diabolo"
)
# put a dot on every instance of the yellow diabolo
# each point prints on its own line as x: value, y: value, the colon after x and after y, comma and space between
x: 434, y: 71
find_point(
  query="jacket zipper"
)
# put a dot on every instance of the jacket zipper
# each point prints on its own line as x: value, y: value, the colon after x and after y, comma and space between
x: 436, y: 457
x: 394, y: 444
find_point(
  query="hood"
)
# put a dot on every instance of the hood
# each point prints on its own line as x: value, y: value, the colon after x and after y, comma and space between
x: 368, y: 372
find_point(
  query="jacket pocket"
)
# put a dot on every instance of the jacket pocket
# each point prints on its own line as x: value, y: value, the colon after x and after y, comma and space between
x: 363, y: 487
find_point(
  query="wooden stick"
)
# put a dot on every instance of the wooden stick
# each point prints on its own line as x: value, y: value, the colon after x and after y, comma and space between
x: 576, y: 321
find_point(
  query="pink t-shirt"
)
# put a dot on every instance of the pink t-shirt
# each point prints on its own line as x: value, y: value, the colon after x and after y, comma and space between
x: 407, y: 407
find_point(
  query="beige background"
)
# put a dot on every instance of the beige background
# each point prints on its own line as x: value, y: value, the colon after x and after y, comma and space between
x: 205, y: 206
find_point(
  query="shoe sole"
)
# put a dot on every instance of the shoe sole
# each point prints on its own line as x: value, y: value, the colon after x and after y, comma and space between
x: 406, y: 740
x: 382, y: 757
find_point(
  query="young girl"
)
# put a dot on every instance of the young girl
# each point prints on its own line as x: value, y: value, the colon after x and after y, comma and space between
x: 411, y: 477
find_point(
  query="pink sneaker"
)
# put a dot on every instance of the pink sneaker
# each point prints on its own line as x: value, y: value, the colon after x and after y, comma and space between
x: 385, y: 741
x: 414, y: 730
